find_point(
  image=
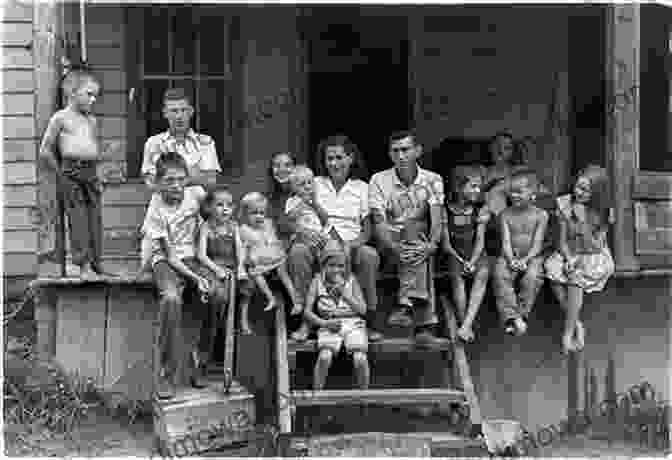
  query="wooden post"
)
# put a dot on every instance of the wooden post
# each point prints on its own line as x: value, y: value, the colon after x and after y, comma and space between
x: 282, y: 368
x: 572, y: 390
x: 622, y: 122
x: 610, y: 396
x: 46, y: 51
x: 45, y: 317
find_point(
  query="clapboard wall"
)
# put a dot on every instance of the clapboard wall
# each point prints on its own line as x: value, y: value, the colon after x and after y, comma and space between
x: 19, y: 144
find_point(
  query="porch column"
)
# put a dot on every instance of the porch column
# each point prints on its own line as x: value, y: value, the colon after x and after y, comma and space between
x: 622, y: 61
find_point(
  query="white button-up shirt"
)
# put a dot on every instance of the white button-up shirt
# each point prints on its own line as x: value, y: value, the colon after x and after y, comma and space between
x: 198, y: 150
x: 398, y: 202
x: 346, y: 208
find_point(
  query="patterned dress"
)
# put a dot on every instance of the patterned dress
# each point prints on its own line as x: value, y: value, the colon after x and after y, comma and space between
x: 263, y: 250
x: 462, y: 226
x: 593, y: 263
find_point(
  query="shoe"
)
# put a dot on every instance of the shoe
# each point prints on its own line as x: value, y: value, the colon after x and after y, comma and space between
x: 374, y: 335
x: 426, y: 339
x: 401, y: 318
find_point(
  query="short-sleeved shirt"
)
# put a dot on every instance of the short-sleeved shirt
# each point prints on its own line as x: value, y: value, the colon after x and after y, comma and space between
x: 346, y: 207
x: 329, y: 307
x: 400, y: 203
x: 303, y: 214
x: 198, y: 150
x: 177, y: 224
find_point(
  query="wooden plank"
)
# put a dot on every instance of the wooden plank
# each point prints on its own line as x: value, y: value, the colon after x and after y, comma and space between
x: 121, y: 242
x: 105, y: 33
x: 654, y: 241
x: 15, y: 10
x: 112, y: 80
x: 15, y: 264
x: 18, y: 218
x: 18, y: 104
x: 20, y: 240
x: 17, y: 80
x: 111, y: 104
x: 17, y: 34
x: 17, y: 58
x: 378, y: 396
x: 18, y: 127
x: 132, y: 310
x: 19, y: 195
x: 387, y: 345
x: 105, y: 14
x: 19, y: 150
x: 652, y: 186
x: 370, y: 445
x: 653, y: 214
x: 128, y: 216
x: 20, y: 173
x: 80, y: 330
x: 127, y: 193
x: 282, y: 371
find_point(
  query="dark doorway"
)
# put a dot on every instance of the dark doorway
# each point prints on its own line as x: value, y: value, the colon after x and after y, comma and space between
x: 358, y: 79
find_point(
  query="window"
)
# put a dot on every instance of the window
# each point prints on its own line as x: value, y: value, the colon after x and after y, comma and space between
x: 190, y: 48
x: 655, y: 80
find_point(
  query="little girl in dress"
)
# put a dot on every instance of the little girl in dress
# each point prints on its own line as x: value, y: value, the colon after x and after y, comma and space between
x: 264, y: 252
x: 583, y: 262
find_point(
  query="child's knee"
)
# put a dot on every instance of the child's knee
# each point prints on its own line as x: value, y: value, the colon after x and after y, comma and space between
x: 482, y: 274
x: 360, y: 359
x: 171, y: 298
x: 325, y: 357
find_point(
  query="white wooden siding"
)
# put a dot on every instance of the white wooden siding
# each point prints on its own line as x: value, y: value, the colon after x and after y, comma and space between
x: 19, y: 144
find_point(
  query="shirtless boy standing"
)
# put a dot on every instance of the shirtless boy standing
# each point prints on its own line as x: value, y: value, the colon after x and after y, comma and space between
x: 70, y: 147
x: 523, y: 226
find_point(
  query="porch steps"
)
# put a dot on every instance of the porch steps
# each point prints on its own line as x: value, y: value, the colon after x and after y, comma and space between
x: 378, y: 396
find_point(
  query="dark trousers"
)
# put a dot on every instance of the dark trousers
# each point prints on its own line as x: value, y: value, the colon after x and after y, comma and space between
x: 81, y: 201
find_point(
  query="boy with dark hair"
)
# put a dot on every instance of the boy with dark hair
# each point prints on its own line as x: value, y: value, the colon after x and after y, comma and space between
x: 170, y: 226
x: 522, y: 226
x: 71, y: 147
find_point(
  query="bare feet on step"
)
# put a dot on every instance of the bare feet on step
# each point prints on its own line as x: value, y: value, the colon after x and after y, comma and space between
x: 567, y: 344
x: 466, y: 333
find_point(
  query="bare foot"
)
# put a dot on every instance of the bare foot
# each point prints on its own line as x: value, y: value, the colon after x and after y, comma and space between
x: 580, y: 336
x: 297, y: 309
x: 567, y: 344
x: 245, y: 329
x: 521, y: 326
x: 466, y: 333
x: 271, y: 305
x: 87, y: 272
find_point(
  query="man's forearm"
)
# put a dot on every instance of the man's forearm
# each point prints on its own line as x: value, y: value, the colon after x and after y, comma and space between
x: 181, y: 268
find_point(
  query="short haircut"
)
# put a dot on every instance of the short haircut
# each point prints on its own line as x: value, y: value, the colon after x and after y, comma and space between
x: 464, y: 173
x: 75, y: 78
x: 300, y: 172
x: 170, y: 160
x: 403, y: 134
x: 251, y: 199
x: 176, y: 94
x: 212, y: 192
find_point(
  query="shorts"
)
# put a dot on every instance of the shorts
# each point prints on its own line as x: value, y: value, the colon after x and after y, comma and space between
x: 352, y: 335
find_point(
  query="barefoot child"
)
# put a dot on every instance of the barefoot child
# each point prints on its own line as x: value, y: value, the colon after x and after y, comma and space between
x: 170, y: 226
x: 220, y: 252
x: 583, y: 262
x: 522, y: 226
x: 263, y: 251
x: 464, y: 242
x: 71, y: 148
x: 336, y: 305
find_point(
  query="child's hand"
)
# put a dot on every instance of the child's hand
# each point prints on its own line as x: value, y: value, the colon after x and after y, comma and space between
x: 570, y: 265
x: 468, y: 268
x: 203, y: 285
x: 224, y: 273
x: 333, y: 325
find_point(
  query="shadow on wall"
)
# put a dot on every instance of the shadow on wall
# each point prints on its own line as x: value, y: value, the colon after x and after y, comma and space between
x: 526, y: 378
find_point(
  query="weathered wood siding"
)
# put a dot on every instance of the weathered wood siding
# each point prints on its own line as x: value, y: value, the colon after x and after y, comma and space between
x: 20, y: 142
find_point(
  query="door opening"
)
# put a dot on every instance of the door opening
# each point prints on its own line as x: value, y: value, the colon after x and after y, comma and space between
x: 358, y: 80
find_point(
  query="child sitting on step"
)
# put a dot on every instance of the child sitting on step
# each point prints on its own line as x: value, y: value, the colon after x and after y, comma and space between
x: 335, y: 304
x: 464, y: 242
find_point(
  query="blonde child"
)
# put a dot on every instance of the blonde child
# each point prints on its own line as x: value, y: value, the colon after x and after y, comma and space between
x: 264, y: 252
x: 335, y: 304
x: 583, y: 262
x: 464, y: 242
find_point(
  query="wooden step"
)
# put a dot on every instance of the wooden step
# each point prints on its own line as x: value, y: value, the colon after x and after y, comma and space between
x: 378, y: 396
x: 415, y: 444
x: 387, y: 345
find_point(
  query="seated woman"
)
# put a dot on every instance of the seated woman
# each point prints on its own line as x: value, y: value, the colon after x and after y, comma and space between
x: 344, y: 196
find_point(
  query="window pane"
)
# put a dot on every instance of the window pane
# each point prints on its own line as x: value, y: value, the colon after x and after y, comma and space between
x: 214, y: 44
x: 215, y: 120
x: 183, y: 41
x: 153, y: 103
x: 155, y: 46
